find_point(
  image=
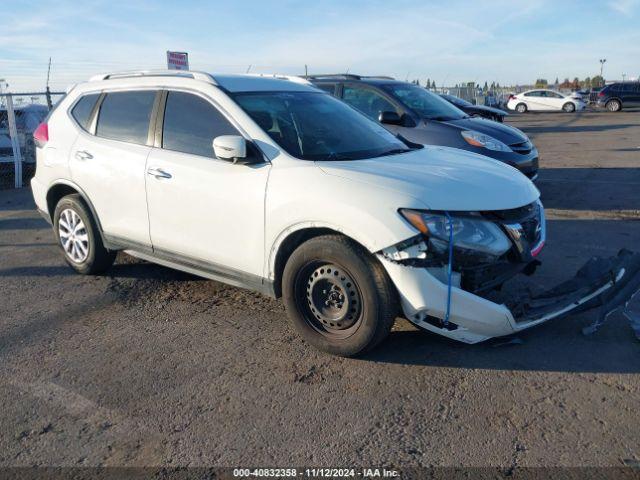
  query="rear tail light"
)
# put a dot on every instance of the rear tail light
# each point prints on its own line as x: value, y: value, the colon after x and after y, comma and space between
x: 41, y: 135
x: 601, y: 94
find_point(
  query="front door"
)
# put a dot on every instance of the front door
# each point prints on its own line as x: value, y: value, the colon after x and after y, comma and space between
x: 205, y: 211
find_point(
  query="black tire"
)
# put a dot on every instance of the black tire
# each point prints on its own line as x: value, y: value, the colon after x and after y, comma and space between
x: 614, y: 105
x: 569, y: 107
x: 97, y: 258
x: 357, y: 275
x: 521, y: 108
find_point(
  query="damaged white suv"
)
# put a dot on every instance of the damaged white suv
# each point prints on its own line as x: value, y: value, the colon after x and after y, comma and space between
x: 274, y: 185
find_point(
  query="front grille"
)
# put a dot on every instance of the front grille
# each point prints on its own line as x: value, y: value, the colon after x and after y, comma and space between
x: 524, y: 225
x: 523, y: 148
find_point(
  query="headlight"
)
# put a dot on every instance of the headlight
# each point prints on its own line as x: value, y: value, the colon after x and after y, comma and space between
x: 478, y: 139
x: 469, y: 233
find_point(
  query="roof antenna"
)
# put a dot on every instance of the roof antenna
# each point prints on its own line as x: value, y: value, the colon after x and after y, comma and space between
x: 306, y: 71
x: 249, y: 68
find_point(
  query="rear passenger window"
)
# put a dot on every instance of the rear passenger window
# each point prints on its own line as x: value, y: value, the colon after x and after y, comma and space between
x: 125, y: 116
x: 191, y: 123
x: 327, y: 87
x: 82, y: 111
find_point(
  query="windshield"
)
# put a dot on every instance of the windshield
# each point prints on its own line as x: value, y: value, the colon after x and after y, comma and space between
x: 424, y: 103
x: 317, y: 126
x: 460, y: 102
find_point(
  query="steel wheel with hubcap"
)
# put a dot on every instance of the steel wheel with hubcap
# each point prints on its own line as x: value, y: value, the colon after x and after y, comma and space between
x: 569, y: 107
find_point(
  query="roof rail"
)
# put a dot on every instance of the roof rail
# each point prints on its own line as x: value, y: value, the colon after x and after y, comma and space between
x: 378, y: 77
x: 203, y: 76
x: 343, y: 76
x: 291, y: 78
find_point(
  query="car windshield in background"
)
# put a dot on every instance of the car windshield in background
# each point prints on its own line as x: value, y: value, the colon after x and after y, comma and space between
x: 316, y: 126
x: 458, y: 101
x: 426, y: 104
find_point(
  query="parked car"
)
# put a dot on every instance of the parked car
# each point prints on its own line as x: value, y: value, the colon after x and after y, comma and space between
x: 616, y: 96
x: 270, y: 184
x: 27, y: 117
x: 541, y: 100
x: 469, y: 108
x: 424, y: 117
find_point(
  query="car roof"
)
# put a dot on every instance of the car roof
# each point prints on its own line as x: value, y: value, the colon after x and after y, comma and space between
x: 262, y: 83
x: 230, y: 83
x: 334, y: 78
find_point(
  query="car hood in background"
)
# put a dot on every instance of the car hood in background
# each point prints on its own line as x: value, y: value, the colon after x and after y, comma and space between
x: 483, y: 108
x: 505, y: 133
x: 443, y: 178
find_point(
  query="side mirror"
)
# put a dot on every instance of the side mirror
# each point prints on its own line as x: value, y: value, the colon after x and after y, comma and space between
x: 389, y: 118
x: 230, y: 147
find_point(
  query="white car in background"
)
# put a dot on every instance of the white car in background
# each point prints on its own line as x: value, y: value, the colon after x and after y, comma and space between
x: 542, y: 100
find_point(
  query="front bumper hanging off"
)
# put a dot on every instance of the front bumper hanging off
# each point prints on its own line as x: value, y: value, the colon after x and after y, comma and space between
x: 602, y: 282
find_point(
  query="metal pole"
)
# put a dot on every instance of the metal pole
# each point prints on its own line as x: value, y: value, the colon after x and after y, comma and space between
x: 15, y: 143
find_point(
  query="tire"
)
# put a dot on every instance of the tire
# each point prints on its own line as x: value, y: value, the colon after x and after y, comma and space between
x: 338, y: 296
x: 521, y: 108
x: 78, y: 237
x: 614, y: 105
x: 569, y: 107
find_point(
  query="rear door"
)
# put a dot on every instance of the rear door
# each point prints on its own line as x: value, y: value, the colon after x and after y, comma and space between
x: 108, y: 161
x: 204, y: 211
x: 535, y: 100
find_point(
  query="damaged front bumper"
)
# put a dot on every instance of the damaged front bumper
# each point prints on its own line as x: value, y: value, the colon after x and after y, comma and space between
x: 602, y: 282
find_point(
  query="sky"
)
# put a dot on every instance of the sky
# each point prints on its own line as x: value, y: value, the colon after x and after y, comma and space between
x: 450, y: 42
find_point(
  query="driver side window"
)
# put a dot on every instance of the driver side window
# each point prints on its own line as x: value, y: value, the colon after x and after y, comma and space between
x: 191, y: 123
x: 367, y: 100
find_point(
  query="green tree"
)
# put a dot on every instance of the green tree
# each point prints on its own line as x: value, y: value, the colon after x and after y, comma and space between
x: 541, y: 83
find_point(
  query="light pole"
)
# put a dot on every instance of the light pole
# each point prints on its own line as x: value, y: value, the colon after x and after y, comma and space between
x: 602, y: 62
x: 624, y: 77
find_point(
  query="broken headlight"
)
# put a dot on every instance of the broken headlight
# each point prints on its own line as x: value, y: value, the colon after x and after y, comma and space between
x: 471, y: 234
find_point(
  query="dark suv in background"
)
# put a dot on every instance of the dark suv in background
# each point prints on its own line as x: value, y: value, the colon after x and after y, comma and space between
x: 617, y: 96
x: 424, y: 117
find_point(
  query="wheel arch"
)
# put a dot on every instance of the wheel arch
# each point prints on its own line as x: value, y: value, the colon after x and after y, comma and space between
x: 292, y: 238
x: 62, y: 188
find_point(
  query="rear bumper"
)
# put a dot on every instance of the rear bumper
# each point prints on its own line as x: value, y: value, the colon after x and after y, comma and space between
x: 600, y: 282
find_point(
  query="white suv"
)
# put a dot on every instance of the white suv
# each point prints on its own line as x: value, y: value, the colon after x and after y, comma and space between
x: 271, y: 184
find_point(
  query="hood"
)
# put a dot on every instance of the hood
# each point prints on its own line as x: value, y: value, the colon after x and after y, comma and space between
x: 505, y: 133
x: 443, y: 178
x: 483, y: 108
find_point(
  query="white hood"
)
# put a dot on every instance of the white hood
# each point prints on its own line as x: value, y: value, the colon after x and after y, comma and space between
x: 443, y: 178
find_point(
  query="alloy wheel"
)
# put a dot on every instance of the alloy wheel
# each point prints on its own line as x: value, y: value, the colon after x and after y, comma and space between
x: 73, y: 234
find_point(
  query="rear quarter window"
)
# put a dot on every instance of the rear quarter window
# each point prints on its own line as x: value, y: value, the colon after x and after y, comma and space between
x: 125, y: 116
x: 81, y: 112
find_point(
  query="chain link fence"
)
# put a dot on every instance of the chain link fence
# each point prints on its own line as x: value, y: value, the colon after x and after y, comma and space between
x: 20, y: 115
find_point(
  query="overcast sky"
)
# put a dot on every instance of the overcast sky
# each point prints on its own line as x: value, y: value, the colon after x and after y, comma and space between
x: 449, y: 42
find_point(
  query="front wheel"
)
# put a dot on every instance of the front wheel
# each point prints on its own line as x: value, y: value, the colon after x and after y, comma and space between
x: 338, y: 296
x: 569, y: 107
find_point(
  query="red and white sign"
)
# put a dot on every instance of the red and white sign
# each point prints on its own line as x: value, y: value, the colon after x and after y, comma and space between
x: 177, y: 60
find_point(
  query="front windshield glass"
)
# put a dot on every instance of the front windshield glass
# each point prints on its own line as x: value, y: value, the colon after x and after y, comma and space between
x: 317, y: 126
x: 460, y: 102
x: 424, y: 103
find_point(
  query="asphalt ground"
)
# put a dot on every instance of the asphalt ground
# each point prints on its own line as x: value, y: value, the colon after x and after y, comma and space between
x: 146, y: 366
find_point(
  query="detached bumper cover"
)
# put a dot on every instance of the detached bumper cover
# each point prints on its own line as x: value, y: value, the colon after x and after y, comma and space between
x: 602, y: 282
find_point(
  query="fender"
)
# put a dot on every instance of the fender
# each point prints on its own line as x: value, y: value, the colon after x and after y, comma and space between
x: 275, y: 247
x: 83, y: 194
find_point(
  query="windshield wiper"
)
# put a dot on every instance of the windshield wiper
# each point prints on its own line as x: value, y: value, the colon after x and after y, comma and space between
x: 395, y: 151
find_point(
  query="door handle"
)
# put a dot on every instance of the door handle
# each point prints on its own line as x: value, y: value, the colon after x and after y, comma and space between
x: 83, y: 155
x: 158, y: 173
